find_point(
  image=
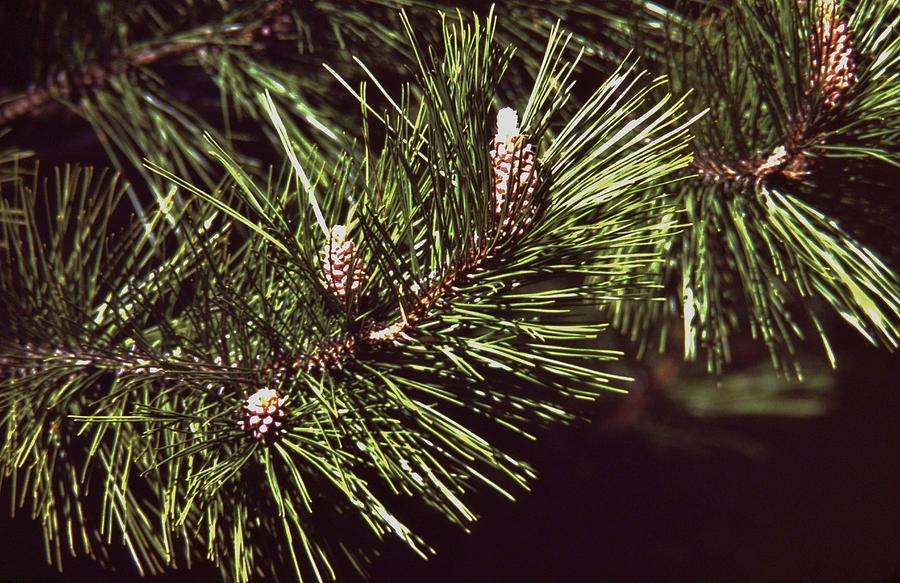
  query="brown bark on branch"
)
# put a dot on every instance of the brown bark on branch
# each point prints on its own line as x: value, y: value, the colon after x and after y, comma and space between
x: 269, y: 22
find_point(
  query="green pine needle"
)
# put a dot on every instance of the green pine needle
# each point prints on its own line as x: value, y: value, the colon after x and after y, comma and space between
x: 396, y: 390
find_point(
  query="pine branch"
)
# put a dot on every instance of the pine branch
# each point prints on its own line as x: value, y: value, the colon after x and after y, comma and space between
x: 252, y: 30
x: 272, y: 401
x: 273, y: 46
x: 63, y: 285
x: 794, y: 96
x: 272, y: 356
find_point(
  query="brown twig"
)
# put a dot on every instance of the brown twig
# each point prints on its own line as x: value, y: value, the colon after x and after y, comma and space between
x: 31, y: 357
x: 831, y: 76
x: 374, y: 334
x: 270, y: 21
x: 791, y: 161
x: 330, y: 354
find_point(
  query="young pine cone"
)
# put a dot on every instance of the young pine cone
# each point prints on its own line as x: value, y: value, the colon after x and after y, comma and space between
x: 263, y: 415
x: 342, y: 269
x: 513, y: 161
x: 834, y: 60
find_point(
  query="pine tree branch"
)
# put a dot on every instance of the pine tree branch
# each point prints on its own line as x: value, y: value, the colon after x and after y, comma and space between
x: 261, y: 26
x: 800, y: 97
x: 831, y: 78
x: 239, y: 378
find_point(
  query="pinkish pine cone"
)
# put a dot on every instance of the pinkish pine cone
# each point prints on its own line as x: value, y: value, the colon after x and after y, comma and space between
x: 342, y: 269
x: 263, y: 415
x: 515, y: 177
x: 834, y: 65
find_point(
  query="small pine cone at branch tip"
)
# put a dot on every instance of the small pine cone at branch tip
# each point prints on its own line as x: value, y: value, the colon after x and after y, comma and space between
x: 263, y: 415
x: 513, y: 161
x: 342, y: 269
x: 834, y: 66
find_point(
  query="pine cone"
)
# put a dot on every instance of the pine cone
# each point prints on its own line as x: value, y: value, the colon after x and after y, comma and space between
x: 834, y: 63
x: 342, y: 269
x: 263, y: 415
x: 514, y: 176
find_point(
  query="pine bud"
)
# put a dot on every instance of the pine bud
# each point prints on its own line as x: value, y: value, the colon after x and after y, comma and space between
x: 342, y: 269
x: 513, y: 161
x: 263, y: 415
x: 834, y: 60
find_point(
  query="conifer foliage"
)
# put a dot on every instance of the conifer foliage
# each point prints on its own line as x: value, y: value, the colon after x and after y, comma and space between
x: 234, y: 393
x: 790, y: 195
x: 299, y: 301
